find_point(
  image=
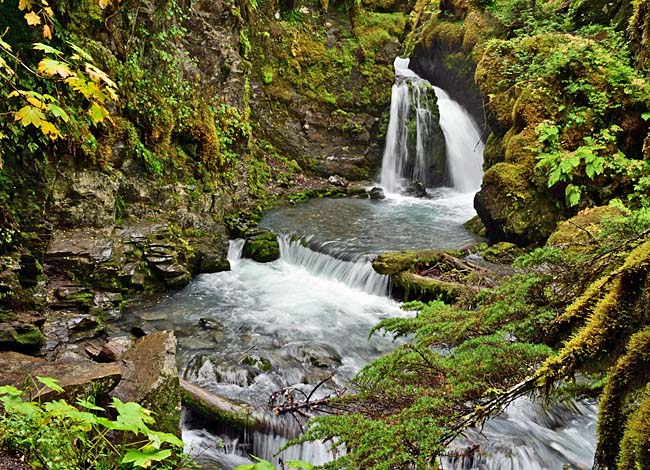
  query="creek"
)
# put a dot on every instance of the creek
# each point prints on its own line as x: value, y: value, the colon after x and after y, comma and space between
x: 251, y: 331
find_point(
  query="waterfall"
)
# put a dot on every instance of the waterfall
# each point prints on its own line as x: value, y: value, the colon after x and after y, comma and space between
x: 463, y: 144
x: 235, y: 248
x: 358, y: 274
x: 412, y: 150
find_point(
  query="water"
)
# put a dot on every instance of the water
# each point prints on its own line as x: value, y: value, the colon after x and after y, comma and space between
x: 351, y: 228
x: 462, y: 142
x: 528, y: 436
x: 411, y: 122
x: 404, y: 162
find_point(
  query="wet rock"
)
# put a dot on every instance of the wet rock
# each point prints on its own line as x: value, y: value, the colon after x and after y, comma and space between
x: 475, y: 226
x: 262, y: 247
x: 417, y: 189
x: 376, y: 193
x: 150, y: 377
x: 142, y: 328
x: 313, y: 354
x: 336, y: 180
x: 210, y: 324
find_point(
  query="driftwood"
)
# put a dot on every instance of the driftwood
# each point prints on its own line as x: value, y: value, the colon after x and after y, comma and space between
x: 284, y: 401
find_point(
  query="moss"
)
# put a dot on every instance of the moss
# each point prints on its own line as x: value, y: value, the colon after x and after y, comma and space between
x: 475, y: 226
x: 262, y: 248
x: 237, y: 420
x: 635, y: 444
x: 422, y: 288
x: 617, y: 401
x: 502, y: 252
x: 581, y: 233
x: 397, y: 262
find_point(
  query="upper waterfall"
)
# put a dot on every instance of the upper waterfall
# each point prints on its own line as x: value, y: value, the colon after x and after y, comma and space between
x: 463, y: 144
x: 420, y: 114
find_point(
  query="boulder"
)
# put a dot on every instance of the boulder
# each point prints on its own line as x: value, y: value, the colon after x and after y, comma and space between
x: 513, y: 210
x: 79, y: 379
x: 502, y: 253
x: 150, y: 377
x: 376, y: 193
x: 263, y: 247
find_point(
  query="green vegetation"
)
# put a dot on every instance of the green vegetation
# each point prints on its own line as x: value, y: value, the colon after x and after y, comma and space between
x: 57, y: 435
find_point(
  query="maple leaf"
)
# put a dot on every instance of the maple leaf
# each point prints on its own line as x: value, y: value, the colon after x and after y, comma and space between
x: 97, y: 113
x: 53, y: 67
x: 58, y: 112
x: 32, y: 18
x: 47, y: 32
x: 50, y: 130
x: 24, y: 5
x: 29, y: 115
x: 35, y: 102
x: 39, y: 46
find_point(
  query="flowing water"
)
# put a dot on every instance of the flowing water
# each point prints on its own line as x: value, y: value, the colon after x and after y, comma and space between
x: 251, y: 331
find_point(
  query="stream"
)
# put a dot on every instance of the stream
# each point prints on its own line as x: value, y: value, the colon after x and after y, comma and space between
x: 248, y: 332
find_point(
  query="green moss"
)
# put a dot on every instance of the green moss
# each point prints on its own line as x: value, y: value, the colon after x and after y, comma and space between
x: 502, y: 252
x: 262, y: 248
x: 397, y: 262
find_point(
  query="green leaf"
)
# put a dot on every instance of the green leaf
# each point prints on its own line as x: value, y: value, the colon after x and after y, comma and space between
x: 50, y: 382
x: 260, y: 465
x: 97, y: 113
x: 645, y: 116
x: 572, y: 194
x: 10, y: 390
x: 58, y: 112
x: 554, y: 176
x: 159, y: 438
x: 81, y: 52
x: 39, y: 46
x: 132, y: 416
x: 89, y: 405
x: 144, y: 459
x: 300, y: 464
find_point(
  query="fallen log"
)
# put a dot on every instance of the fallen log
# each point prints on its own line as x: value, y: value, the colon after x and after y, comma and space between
x: 218, y: 408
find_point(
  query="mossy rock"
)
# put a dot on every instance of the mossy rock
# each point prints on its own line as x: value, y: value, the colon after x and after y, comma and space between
x: 263, y: 247
x: 475, y: 226
x: 397, y: 262
x: 512, y: 209
x: 20, y: 336
x: 502, y: 253
x: 579, y: 234
x: 416, y: 287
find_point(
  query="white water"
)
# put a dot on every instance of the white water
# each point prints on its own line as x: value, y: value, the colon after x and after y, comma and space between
x: 463, y: 144
x: 527, y: 436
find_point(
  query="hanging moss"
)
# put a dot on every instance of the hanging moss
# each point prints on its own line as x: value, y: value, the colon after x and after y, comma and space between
x: 631, y: 371
x: 635, y: 446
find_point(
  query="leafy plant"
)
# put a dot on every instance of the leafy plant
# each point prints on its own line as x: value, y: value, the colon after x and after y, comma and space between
x: 61, y: 436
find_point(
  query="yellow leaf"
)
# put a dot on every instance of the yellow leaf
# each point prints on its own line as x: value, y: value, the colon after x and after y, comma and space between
x: 50, y: 130
x: 47, y: 32
x: 24, y: 5
x: 13, y: 93
x: 53, y: 67
x: 32, y: 18
x: 48, y: 11
x: 29, y: 115
x: 36, y: 103
x: 104, y: 3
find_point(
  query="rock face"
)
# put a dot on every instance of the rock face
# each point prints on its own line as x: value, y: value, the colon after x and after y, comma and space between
x: 150, y: 377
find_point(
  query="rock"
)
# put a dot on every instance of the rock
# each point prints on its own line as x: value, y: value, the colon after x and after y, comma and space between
x: 396, y: 262
x: 475, y: 226
x: 376, y: 193
x: 502, y: 253
x: 336, y: 180
x: 142, y: 328
x: 512, y: 209
x: 263, y: 247
x: 150, y: 377
x: 19, y: 335
x: 579, y: 234
x: 319, y: 355
x: 210, y: 324
x: 79, y: 379
x: 417, y: 189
